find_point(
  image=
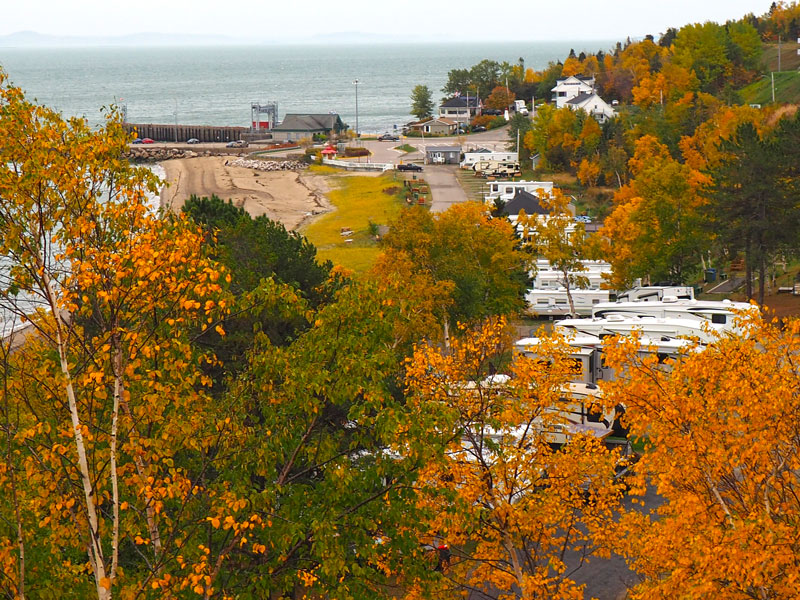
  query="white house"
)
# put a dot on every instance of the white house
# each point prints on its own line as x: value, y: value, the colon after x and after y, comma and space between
x: 461, y: 108
x: 594, y: 105
x: 570, y: 87
x: 482, y: 154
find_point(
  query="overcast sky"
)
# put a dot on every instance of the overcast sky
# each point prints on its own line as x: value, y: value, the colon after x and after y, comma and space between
x: 463, y: 19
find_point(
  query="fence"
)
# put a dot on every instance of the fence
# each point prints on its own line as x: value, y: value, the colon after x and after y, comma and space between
x: 357, y: 166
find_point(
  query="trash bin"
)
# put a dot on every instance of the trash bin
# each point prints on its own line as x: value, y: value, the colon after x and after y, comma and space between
x: 710, y: 276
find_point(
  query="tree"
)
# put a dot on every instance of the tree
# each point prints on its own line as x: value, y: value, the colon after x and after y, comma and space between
x: 106, y: 387
x: 511, y: 507
x: 321, y: 460
x: 558, y: 239
x: 722, y: 450
x: 421, y: 102
x: 500, y: 98
x: 464, y: 246
x: 753, y: 188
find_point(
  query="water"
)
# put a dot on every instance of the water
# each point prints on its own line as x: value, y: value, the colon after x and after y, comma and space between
x: 215, y: 85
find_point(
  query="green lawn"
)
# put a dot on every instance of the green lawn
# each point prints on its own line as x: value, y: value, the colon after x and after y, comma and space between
x: 359, y: 201
x: 406, y: 148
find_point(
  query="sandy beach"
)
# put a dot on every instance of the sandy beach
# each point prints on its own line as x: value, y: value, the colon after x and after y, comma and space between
x: 285, y: 196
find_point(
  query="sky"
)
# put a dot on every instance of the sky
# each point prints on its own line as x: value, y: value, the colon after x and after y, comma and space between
x: 277, y: 20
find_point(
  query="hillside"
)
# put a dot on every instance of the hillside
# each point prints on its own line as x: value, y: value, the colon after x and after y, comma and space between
x: 787, y: 89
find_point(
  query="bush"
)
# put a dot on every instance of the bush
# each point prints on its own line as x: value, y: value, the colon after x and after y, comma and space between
x: 482, y: 120
x: 355, y: 151
x: 496, y: 122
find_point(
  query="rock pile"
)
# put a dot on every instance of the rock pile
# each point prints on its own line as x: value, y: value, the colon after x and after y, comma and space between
x: 269, y: 165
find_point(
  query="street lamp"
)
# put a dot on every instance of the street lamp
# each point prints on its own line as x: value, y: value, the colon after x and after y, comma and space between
x: 355, y: 83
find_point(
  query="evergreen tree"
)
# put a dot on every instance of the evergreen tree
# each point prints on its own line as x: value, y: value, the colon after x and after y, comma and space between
x: 421, y: 102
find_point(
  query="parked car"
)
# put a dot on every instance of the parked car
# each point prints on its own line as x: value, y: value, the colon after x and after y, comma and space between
x: 478, y: 129
x: 147, y: 141
x: 495, y: 112
x: 236, y: 144
x: 192, y: 141
x: 388, y: 137
x: 137, y: 141
x: 409, y: 167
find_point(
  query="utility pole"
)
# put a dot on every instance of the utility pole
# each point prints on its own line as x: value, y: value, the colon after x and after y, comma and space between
x: 773, y: 86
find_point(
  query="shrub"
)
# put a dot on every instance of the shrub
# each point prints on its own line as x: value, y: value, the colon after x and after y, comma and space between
x: 355, y: 151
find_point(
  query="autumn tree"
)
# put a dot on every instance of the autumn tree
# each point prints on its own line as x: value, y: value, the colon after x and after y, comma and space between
x: 500, y: 98
x: 107, y: 386
x: 557, y: 238
x: 722, y: 451
x: 464, y: 246
x: 507, y: 503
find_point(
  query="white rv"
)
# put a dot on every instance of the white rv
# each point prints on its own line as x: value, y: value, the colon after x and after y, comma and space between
x: 554, y: 301
x: 722, y: 313
x: 587, y: 354
x: 547, y: 277
x: 653, y: 293
x: 652, y: 327
x: 483, y: 155
x: 506, y: 190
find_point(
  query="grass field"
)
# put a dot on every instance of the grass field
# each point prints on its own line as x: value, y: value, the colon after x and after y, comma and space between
x: 359, y: 201
x: 474, y: 187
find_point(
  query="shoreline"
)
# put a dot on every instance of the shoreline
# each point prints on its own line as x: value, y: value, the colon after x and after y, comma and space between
x: 292, y: 198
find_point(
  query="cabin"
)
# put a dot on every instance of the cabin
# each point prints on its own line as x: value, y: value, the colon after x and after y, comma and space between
x: 297, y: 126
x: 442, y: 155
x: 438, y: 126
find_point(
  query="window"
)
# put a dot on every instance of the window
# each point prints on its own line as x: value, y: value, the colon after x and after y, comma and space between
x: 719, y: 319
x: 561, y: 301
x: 595, y: 300
x: 543, y: 301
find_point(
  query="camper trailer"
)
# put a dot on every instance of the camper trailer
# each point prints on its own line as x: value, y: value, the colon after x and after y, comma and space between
x: 554, y: 301
x: 655, y: 293
x: 496, y: 168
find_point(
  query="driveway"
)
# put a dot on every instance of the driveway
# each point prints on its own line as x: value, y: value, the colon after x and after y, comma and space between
x: 445, y: 189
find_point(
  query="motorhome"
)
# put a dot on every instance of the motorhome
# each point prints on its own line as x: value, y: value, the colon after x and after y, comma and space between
x: 554, y: 301
x: 723, y: 313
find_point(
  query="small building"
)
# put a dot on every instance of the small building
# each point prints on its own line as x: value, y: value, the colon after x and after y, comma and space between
x: 570, y: 87
x: 594, y: 105
x: 437, y: 126
x: 296, y: 126
x: 442, y: 155
x: 461, y: 108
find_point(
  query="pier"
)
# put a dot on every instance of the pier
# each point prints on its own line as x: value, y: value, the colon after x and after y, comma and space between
x: 181, y: 133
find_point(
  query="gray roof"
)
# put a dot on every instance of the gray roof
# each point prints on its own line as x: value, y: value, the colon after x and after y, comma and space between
x: 580, y: 98
x: 443, y: 149
x: 460, y: 102
x: 526, y: 201
x: 310, y: 122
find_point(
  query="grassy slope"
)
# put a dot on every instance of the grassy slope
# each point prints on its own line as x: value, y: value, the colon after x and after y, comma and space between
x: 787, y: 81
x: 359, y: 200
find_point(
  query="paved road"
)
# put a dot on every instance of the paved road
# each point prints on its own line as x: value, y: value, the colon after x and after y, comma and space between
x: 445, y: 189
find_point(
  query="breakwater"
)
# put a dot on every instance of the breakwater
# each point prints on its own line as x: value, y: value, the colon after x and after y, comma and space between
x: 181, y: 133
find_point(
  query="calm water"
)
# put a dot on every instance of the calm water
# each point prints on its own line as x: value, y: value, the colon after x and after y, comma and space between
x: 215, y: 85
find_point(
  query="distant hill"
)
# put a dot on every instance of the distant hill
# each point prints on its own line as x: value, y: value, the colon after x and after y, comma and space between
x: 32, y: 39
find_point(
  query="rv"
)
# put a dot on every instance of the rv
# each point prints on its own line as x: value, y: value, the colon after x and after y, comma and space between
x: 652, y: 327
x: 587, y: 354
x: 506, y: 190
x: 494, y: 168
x: 656, y: 293
x: 554, y: 301
x: 483, y: 155
x: 519, y: 106
x: 722, y: 313
x: 548, y: 278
